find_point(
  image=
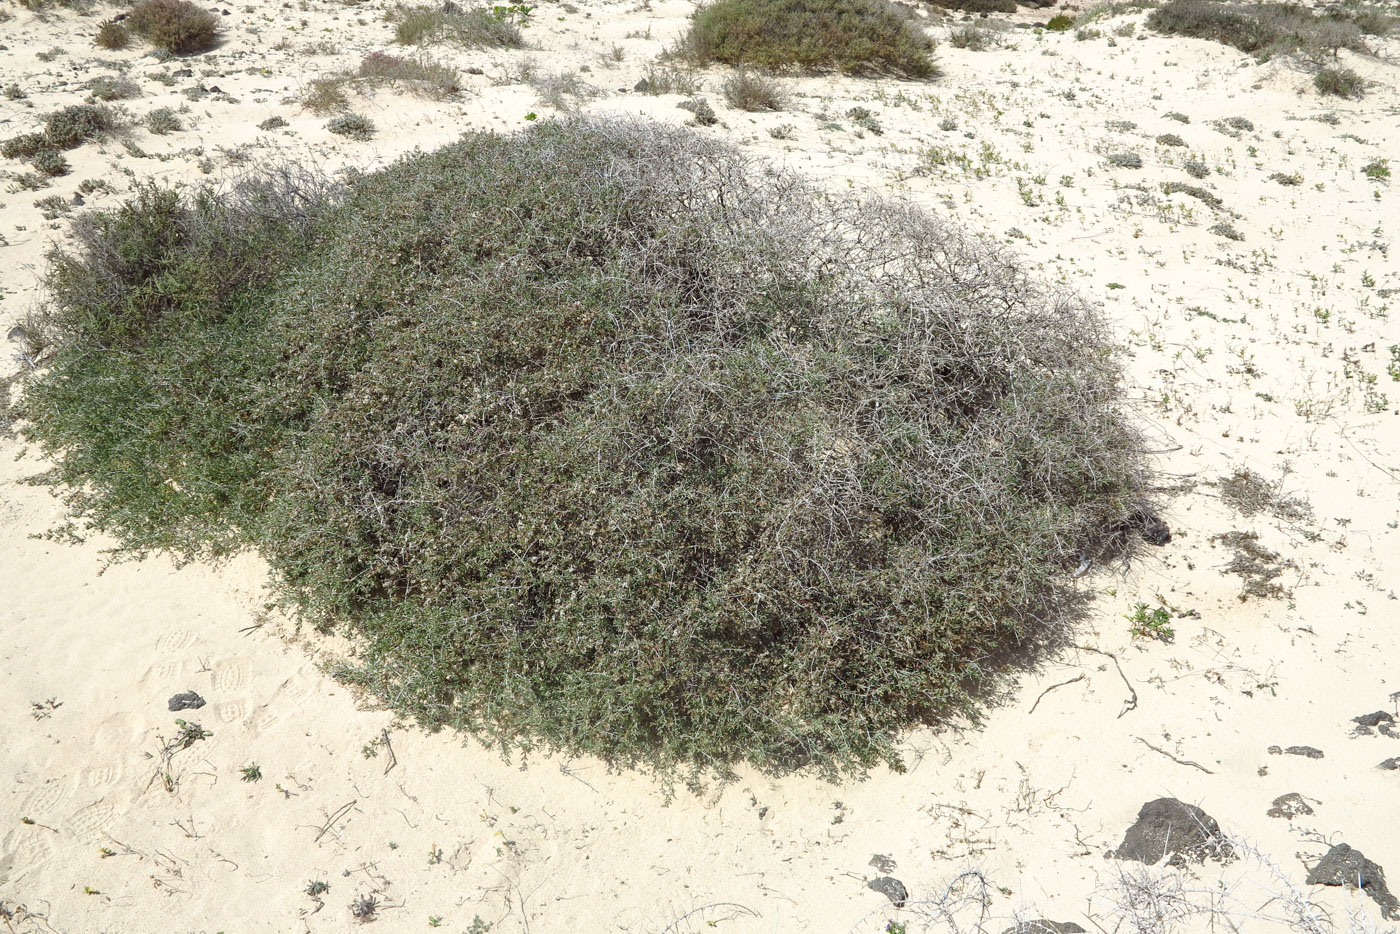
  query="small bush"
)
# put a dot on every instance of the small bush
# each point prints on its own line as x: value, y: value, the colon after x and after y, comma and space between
x: 53, y: 207
x: 163, y: 120
x: 851, y: 36
x: 864, y: 119
x: 1339, y: 82
x: 1196, y: 169
x: 1226, y: 231
x: 1200, y: 194
x: 1060, y: 23
x: 747, y: 91
x: 422, y: 76
x: 72, y: 126
x: 326, y: 95
x: 1170, y: 139
x: 704, y: 114
x: 24, y: 146
x: 669, y: 79
x: 1178, y: 116
x: 354, y: 126
x: 563, y: 90
x: 981, y: 6
x: 1377, y: 170
x: 1125, y: 160
x: 112, y: 34
x: 603, y: 437
x: 273, y: 123
x: 50, y: 162
x: 970, y: 38
x: 1285, y: 179
x: 177, y: 26
x: 466, y: 27
x: 112, y: 88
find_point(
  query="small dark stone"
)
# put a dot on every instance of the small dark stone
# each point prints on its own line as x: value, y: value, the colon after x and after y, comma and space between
x: 891, y: 888
x: 473, y: 70
x: 1174, y: 829
x: 214, y: 89
x: 1289, y: 806
x: 186, y: 701
x: 644, y: 85
x: 1391, y: 764
x: 1344, y: 866
x: 1307, y: 751
x: 1042, y: 926
x: 183, y: 73
x: 1373, y: 719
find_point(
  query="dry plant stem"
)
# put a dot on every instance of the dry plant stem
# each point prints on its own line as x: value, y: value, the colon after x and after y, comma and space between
x: 1079, y: 677
x: 1194, y: 765
x: 1132, y: 702
x: 330, y: 821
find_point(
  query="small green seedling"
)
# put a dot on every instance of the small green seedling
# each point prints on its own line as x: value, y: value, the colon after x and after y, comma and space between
x: 1151, y: 623
x: 252, y: 773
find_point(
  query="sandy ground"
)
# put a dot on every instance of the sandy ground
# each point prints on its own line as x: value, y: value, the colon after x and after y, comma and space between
x: 1275, y: 353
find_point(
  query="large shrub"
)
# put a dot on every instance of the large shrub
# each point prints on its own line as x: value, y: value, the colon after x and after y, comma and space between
x: 602, y: 436
x: 851, y: 36
x: 1266, y: 29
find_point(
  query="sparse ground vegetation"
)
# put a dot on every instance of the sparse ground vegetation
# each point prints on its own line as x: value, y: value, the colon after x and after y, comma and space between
x: 753, y: 92
x: 467, y: 27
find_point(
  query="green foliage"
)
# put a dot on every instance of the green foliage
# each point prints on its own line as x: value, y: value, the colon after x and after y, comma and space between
x: 748, y: 91
x: 1151, y: 623
x: 1170, y: 139
x: 251, y: 773
x: 1377, y: 170
x: 177, y: 26
x: 970, y: 37
x: 53, y: 207
x: 50, y: 162
x: 355, y: 126
x: 1060, y: 23
x: 467, y: 27
x: 112, y: 34
x: 602, y: 437
x: 72, y: 126
x: 854, y: 37
x: 112, y: 88
x: 1125, y: 160
x: 24, y: 146
x: 1339, y: 82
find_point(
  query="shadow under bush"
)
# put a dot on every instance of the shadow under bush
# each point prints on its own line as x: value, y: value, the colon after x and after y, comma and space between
x: 602, y: 436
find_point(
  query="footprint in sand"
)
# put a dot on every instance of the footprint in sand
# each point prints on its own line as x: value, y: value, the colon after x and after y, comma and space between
x: 174, y: 641
x: 24, y: 850
x: 88, y: 823
x: 100, y: 778
x: 40, y: 802
x: 231, y: 711
x: 166, y: 672
x: 231, y: 677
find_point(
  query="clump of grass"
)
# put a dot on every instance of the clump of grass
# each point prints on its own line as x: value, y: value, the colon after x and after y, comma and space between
x: 113, y: 35
x: 970, y: 38
x: 326, y: 95
x: 447, y: 23
x: 423, y: 77
x: 604, y: 437
x: 1170, y: 139
x: 53, y: 207
x: 177, y: 26
x: 50, y: 162
x: 855, y: 37
x: 1249, y: 494
x: 163, y: 120
x: 1125, y: 160
x: 562, y: 90
x: 112, y: 88
x: 753, y: 92
x: 669, y: 79
x: 354, y: 126
x: 1339, y: 82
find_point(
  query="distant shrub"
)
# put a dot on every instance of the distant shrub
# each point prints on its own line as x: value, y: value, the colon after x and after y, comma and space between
x: 970, y: 38
x: 1226, y: 231
x: 1339, y: 82
x: 112, y: 88
x: 748, y: 91
x: 1170, y: 139
x: 851, y: 36
x: 1121, y: 126
x: 604, y: 438
x: 562, y: 90
x: 177, y: 26
x: 1125, y: 160
x: 273, y: 123
x: 355, y: 126
x: 1196, y: 169
x: 1178, y: 116
x: 864, y: 119
x: 112, y: 34
x: 1261, y: 29
x: 704, y: 114
x: 24, y: 146
x: 1285, y: 179
x: 53, y: 207
x: 326, y: 95
x: 669, y: 79
x: 1377, y: 170
x: 1200, y: 194
x: 163, y: 120
x: 981, y: 6
x: 467, y: 27
x: 422, y: 76
x: 50, y: 162
x: 1060, y: 23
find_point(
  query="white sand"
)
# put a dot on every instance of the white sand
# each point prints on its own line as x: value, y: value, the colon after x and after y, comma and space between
x: 1270, y: 354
